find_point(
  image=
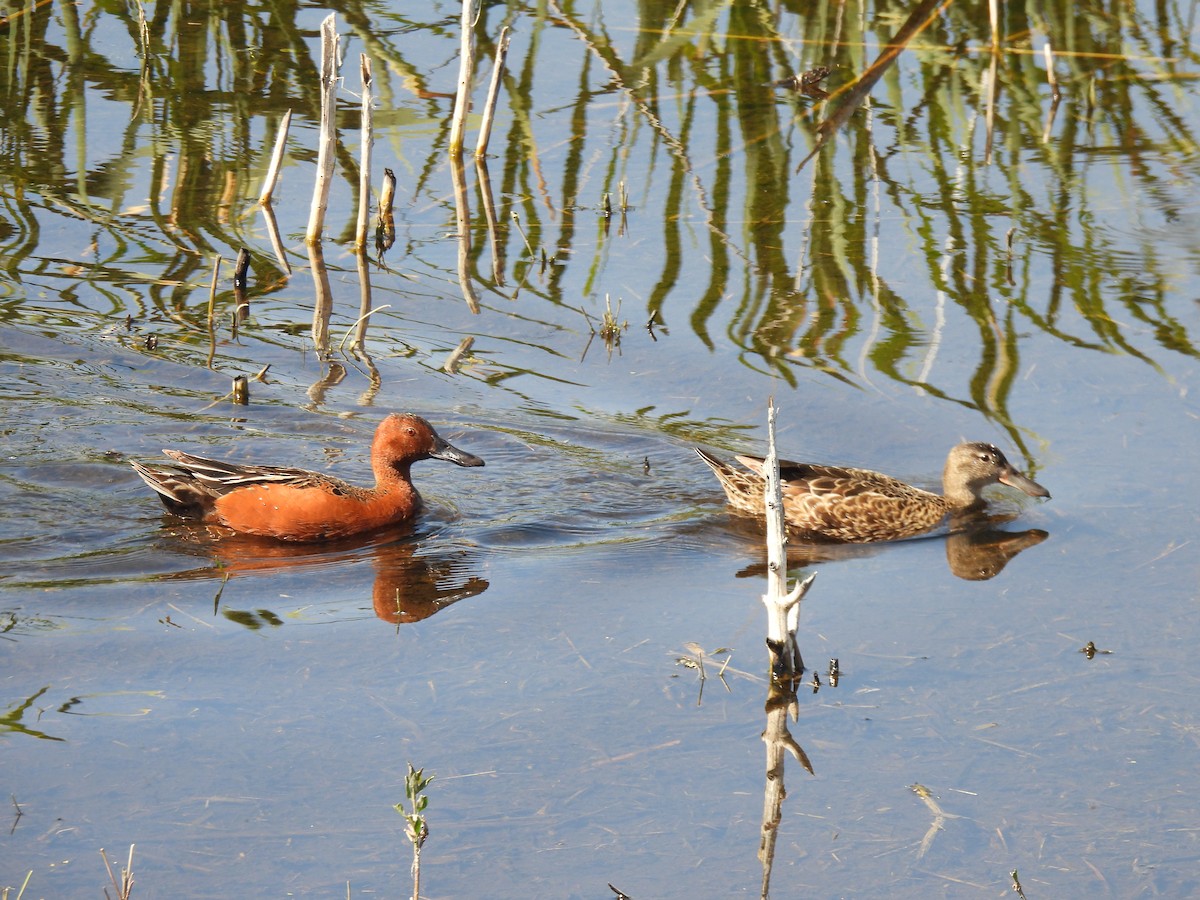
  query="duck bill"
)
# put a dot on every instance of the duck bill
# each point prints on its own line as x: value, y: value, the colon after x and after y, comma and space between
x: 1016, y: 479
x: 447, y: 451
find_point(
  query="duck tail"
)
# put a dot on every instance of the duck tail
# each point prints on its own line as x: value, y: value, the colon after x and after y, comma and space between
x: 179, y: 492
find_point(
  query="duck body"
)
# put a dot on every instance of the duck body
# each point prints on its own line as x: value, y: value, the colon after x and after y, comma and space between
x: 296, y: 504
x: 842, y: 504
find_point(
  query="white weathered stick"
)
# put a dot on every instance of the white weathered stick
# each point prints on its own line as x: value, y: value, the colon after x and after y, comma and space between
x: 272, y: 176
x: 783, y: 606
x: 466, y: 71
x: 327, y: 140
x: 364, y: 172
x: 489, y: 108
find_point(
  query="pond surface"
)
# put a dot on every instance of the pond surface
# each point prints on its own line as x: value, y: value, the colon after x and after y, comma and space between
x: 923, y: 249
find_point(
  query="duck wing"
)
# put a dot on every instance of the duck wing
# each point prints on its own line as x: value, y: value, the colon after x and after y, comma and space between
x: 223, y: 477
x: 838, y: 503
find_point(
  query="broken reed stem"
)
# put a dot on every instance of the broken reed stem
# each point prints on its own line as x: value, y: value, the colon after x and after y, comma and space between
x: 276, y: 160
x: 783, y: 606
x: 456, y: 355
x: 1051, y: 77
x: 387, y: 197
x: 241, y: 390
x: 489, y: 109
x: 327, y: 138
x: 994, y: 16
x: 123, y: 887
x: 242, y: 312
x: 212, y: 289
x: 385, y: 230
x: 466, y: 71
x: 364, y: 173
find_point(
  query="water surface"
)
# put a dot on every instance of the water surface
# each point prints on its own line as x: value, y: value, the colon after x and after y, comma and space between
x: 933, y: 251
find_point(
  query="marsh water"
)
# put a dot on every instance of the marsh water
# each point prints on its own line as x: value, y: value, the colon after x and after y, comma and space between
x: 925, y: 246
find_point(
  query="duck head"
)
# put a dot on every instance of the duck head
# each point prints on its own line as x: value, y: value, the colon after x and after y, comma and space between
x: 973, y: 466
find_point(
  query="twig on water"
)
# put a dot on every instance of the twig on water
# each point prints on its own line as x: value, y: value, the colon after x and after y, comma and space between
x: 456, y: 355
x: 354, y: 324
x: 124, y: 886
x: 1017, y: 884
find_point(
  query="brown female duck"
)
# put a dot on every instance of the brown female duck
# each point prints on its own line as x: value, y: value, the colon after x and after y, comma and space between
x: 835, y: 503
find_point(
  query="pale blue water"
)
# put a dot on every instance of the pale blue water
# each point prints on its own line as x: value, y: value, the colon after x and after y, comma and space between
x: 245, y: 715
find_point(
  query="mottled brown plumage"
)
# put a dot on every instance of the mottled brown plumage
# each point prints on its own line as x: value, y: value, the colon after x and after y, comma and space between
x: 836, y: 503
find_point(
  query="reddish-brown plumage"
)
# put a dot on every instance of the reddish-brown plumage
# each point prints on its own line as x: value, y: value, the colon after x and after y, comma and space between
x: 299, y: 505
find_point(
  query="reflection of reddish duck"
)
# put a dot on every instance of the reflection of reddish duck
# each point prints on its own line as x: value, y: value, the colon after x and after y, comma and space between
x: 299, y: 505
x: 835, y: 503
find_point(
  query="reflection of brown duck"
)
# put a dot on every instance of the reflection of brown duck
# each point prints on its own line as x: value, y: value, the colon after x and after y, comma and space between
x: 835, y: 503
x: 408, y: 586
x: 976, y: 548
x: 980, y: 554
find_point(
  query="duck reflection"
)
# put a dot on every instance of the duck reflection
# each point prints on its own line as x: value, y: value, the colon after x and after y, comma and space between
x: 977, y: 548
x: 410, y: 582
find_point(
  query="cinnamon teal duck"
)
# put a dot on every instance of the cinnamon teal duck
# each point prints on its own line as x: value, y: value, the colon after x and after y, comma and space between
x: 836, y: 503
x: 299, y: 505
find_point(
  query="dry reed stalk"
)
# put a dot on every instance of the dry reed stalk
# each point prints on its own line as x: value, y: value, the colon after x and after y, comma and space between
x: 385, y: 234
x: 123, y: 887
x: 466, y: 71
x: 272, y: 176
x: 326, y: 142
x: 212, y: 289
x: 1051, y: 77
x: 456, y: 355
x: 364, y: 173
x: 489, y: 109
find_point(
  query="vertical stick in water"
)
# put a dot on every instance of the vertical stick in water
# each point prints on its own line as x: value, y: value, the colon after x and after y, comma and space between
x: 364, y: 173
x: 466, y: 71
x: 489, y: 108
x: 783, y: 606
x: 385, y: 231
x: 328, y: 136
x: 276, y: 160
